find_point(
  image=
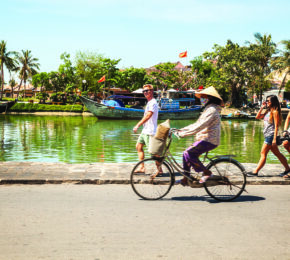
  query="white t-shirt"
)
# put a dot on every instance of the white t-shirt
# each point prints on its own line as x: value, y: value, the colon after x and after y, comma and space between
x: 150, y: 127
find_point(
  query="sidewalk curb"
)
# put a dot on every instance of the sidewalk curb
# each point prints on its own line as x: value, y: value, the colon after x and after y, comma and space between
x: 269, y: 181
x: 38, y: 173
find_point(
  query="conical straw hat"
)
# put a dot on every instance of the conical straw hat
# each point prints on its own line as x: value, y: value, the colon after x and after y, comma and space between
x: 210, y: 91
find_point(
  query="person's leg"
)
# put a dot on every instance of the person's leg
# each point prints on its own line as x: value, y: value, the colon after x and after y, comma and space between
x: 191, y: 155
x: 139, y: 147
x: 191, y: 158
x: 286, y: 145
x: 275, y: 150
x: 263, y: 157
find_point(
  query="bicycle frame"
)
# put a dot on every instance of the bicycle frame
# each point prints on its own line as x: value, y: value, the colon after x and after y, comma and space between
x: 169, y: 158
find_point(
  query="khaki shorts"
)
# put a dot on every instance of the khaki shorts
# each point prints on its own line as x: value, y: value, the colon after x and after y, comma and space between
x: 144, y: 139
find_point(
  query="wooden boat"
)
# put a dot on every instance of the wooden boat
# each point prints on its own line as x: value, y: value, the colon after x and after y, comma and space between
x: 238, y: 115
x: 113, y: 112
x: 5, y: 106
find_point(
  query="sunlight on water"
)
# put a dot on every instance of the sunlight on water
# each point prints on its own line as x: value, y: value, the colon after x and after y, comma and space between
x: 76, y: 139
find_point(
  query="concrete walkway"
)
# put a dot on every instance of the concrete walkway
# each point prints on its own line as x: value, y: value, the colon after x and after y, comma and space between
x: 102, y: 173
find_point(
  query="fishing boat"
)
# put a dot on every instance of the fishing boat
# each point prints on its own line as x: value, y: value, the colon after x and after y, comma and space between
x: 169, y: 109
x: 5, y: 106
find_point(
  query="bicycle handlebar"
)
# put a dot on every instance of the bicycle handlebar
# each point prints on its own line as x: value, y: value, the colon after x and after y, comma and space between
x: 175, y: 132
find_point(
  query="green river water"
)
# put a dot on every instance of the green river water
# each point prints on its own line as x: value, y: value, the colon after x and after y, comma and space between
x: 77, y: 139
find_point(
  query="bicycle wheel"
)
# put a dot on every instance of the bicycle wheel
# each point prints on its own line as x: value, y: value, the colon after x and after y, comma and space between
x: 150, y: 185
x: 228, y: 181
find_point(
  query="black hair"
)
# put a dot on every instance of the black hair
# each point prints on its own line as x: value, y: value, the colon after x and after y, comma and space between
x: 213, y: 100
x: 275, y: 104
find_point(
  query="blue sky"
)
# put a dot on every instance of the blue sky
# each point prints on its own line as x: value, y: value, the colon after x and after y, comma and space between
x: 140, y: 33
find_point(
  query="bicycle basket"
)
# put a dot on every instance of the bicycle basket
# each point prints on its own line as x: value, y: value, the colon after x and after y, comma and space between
x: 158, y: 142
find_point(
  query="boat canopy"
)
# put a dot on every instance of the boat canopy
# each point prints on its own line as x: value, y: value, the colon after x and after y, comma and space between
x: 120, y: 97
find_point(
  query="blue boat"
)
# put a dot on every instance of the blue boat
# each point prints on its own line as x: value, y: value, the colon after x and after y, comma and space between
x: 169, y: 109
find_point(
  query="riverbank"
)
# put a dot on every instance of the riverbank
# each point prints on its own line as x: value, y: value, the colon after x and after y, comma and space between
x: 103, y: 173
x: 51, y: 113
x: 224, y: 112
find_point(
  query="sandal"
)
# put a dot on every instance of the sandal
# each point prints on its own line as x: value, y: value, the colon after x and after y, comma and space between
x: 251, y: 174
x: 204, y: 178
x: 139, y: 172
x: 285, y: 173
x: 287, y: 176
x: 153, y: 175
x: 183, y: 182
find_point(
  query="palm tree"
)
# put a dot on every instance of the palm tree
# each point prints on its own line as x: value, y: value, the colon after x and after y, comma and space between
x: 264, y: 50
x: 27, y: 69
x: 8, y: 61
x: 12, y: 83
x: 267, y: 48
x: 282, y: 63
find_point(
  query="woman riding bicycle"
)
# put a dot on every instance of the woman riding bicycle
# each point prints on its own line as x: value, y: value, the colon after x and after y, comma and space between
x: 207, y: 130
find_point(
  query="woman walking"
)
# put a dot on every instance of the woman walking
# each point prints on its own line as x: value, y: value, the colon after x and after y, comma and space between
x: 272, y: 120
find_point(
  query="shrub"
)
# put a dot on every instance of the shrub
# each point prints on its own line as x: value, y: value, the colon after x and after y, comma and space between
x: 28, y: 107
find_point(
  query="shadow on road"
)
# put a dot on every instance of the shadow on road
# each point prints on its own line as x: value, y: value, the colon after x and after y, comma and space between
x: 245, y: 198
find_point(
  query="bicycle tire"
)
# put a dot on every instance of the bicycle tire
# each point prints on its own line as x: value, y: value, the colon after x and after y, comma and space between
x: 148, y: 187
x: 228, y: 181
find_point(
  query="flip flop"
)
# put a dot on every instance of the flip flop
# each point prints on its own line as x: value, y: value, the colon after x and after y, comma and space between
x: 204, y: 178
x: 153, y: 175
x: 138, y: 172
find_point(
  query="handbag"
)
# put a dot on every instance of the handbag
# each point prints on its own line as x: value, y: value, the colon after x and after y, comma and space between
x: 278, y: 140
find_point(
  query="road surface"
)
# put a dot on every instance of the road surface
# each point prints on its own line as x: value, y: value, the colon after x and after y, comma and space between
x: 110, y: 222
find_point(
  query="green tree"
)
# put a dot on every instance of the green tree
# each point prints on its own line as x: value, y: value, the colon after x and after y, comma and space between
x: 91, y: 67
x: 131, y: 79
x: 28, y: 66
x: 56, y: 82
x: 282, y: 62
x: 67, y: 73
x: 204, y: 72
x: 7, y: 60
x: 231, y: 64
x: 260, y: 55
x: 41, y: 80
x: 13, y: 84
x: 164, y: 76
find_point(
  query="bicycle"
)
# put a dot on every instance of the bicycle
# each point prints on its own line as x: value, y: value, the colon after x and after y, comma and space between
x: 227, y: 183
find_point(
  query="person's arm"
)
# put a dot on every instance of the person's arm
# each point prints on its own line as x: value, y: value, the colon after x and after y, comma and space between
x: 204, y: 121
x: 276, y: 123
x: 286, y: 125
x: 145, y: 118
x: 261, y: 115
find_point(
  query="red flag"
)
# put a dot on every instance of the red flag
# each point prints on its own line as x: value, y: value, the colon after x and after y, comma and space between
x: 183, y: 54
x: 102, y: 79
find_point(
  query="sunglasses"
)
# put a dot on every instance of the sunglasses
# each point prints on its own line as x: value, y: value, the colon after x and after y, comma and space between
x: 147, y: 90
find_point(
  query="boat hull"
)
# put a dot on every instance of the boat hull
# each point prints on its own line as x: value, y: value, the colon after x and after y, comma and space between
x: 106, y: 112
x: 5, y: 106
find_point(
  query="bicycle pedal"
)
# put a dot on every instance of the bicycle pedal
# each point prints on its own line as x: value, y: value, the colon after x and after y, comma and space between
x: 194, y: 183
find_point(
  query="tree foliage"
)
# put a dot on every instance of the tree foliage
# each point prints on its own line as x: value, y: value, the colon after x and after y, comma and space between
x: 7, y: 59
x: 28, y: 67
x: 164, y: 76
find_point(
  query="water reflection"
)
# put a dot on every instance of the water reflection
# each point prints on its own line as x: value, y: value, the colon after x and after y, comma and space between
x: 76, y: 139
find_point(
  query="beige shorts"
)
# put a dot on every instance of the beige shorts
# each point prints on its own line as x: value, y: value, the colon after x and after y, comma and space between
x: 144, y: 139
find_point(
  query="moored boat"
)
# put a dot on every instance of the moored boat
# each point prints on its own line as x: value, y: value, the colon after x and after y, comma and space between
x: 6, y: 105
x: 114, y: 112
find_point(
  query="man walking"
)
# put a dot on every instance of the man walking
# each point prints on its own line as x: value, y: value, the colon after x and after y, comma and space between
x: 149, y: 122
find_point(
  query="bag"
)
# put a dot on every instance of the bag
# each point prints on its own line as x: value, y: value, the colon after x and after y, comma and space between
x: 278, y: 140
x: 157, y: 143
